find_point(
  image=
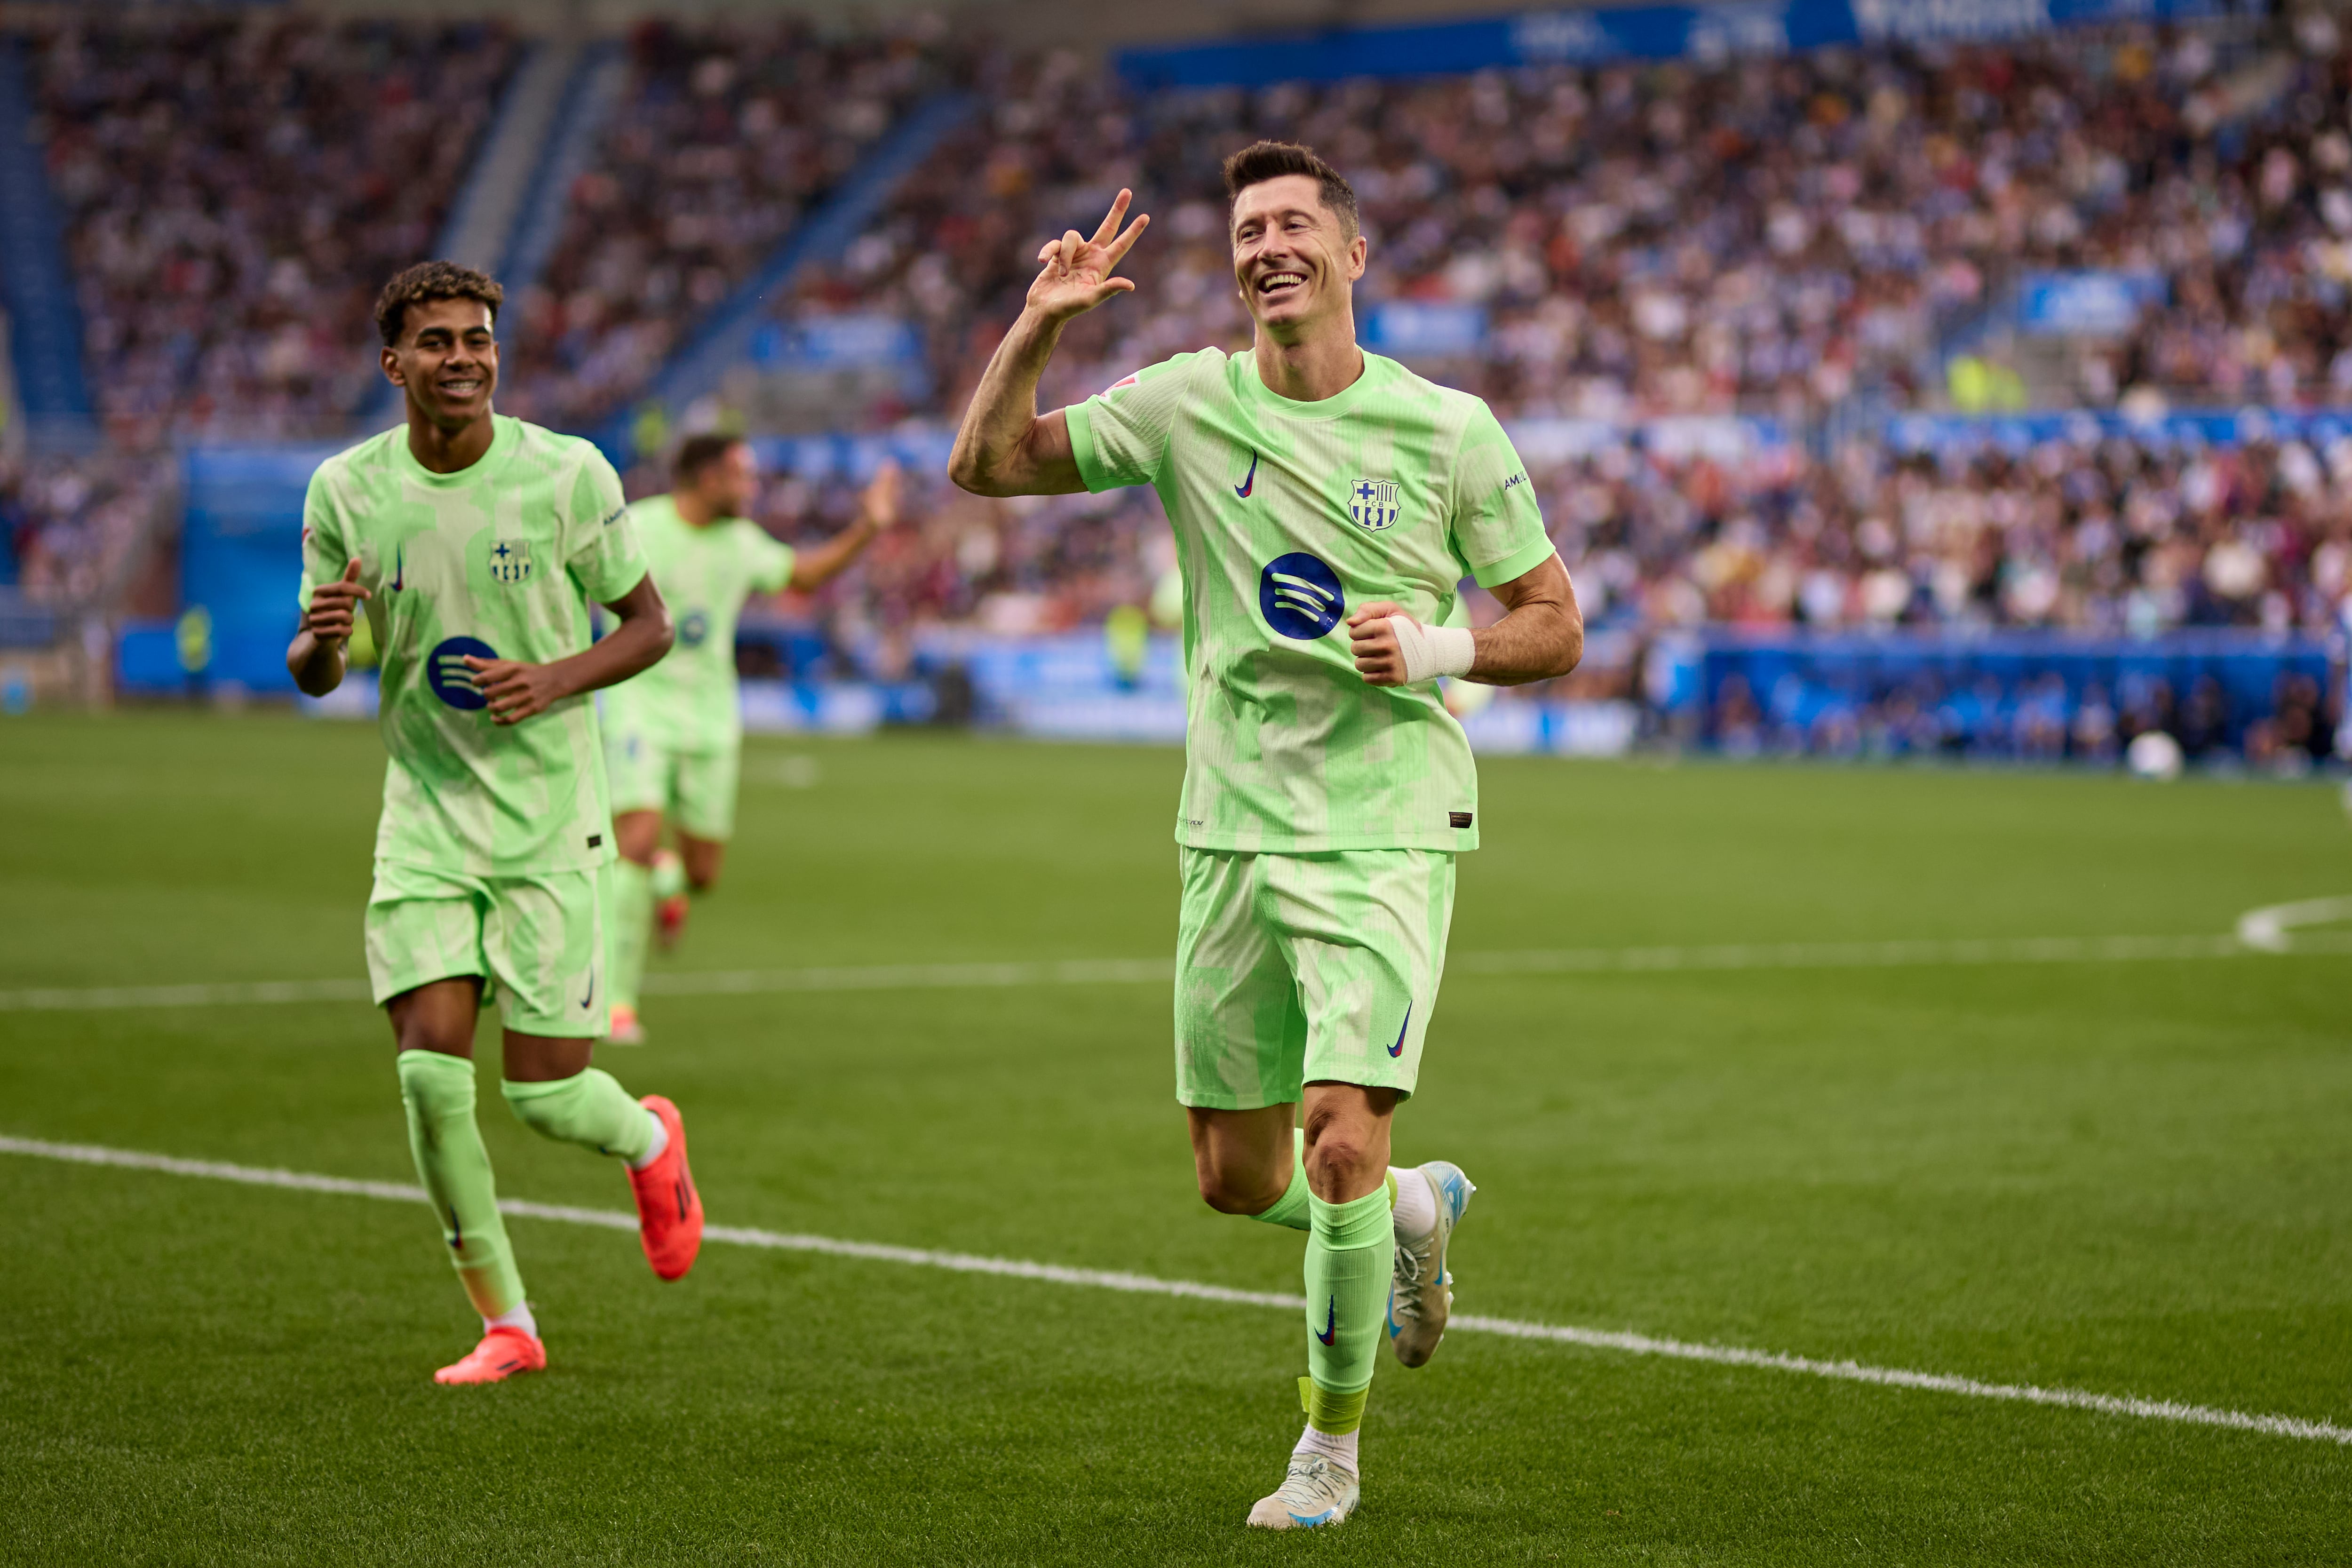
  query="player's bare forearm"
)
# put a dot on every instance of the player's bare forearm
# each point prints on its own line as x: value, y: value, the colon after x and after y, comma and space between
x: 518, y: 691
x: 815, y: 567
x: 1002, y: 448
x: 1541, y: 634
x: 878, y: 511
x: 317, y: 666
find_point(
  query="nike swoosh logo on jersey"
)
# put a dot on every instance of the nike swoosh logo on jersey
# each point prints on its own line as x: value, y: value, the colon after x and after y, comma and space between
x: 1397, y: 1049
x: 1243, y: 488
x: 399, y: 568
x: 1330, y: 1322
x: 584, y: 1000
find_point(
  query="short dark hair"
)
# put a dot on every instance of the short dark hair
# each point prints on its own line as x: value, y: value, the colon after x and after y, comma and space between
x: 696, y: 453
x: 1263, y: 161
x: 427, y: 281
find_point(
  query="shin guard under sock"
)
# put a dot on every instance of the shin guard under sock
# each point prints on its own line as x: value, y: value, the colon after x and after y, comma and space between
x: 631, y: 922
x: 1350, y: 1248
x: 589, y: 1109
x: 1289, y: 1210
x: 439, y: 1092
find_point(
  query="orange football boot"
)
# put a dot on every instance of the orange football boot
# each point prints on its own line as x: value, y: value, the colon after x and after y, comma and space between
x: 669, y: 1211
x: 502, y: 1354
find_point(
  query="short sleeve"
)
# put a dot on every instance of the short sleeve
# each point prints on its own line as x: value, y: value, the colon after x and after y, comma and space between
x: 324, y: 552
x: 1497, y: 528
x: 1120, y: 435
x: 601, y: 552
x: 767, y: 561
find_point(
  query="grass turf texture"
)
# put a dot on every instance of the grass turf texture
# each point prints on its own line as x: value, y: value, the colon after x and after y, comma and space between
x: 2127, y: 1177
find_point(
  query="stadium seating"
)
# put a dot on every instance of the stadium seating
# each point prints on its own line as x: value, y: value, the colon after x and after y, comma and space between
x: 237, y: 186
x: 725, y: 135
x: 1707, y: 296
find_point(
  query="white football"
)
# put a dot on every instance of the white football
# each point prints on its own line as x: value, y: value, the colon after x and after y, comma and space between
x: 2154, y: 756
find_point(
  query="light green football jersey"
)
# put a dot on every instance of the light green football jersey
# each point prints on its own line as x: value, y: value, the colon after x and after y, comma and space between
x: 687, y: 700
x: 499, y: 560
x: 1287, y: 515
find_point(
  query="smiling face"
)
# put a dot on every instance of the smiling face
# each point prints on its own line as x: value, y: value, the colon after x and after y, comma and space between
x: 1293, y: 258
x: 447, y: 359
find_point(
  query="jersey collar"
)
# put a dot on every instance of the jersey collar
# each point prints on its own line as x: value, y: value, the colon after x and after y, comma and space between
x: 1254, y: 394
x: 505, y: 435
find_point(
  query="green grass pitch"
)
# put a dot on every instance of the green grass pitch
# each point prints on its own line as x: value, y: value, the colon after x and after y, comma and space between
x: 2122, y: 1177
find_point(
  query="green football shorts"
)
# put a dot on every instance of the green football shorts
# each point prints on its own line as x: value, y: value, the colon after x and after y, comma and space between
x: 535, y: 942
x: 1299, y: 969
x: 694, y: 789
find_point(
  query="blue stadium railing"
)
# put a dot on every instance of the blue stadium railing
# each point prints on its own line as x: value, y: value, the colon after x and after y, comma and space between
x: 36, y: 281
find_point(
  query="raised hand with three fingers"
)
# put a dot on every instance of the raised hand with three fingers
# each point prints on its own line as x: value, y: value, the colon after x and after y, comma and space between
x: 1075, y: 270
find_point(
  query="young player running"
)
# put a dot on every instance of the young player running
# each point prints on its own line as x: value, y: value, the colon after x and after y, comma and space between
x: 476, y: 542
x: 673, y: 737
x: 1327, y: 790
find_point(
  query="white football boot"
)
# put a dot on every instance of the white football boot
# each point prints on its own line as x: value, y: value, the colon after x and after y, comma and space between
x: 1420, y: 1291
x: 1315, y: 1493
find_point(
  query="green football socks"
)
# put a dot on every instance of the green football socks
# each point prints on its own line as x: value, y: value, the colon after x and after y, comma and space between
x: 1350, y: 1250
x: 668, y: 876
x: 632, y: 927
x: 439, y: 1092
x: 589, y: 1109
x: 1289, y: 1211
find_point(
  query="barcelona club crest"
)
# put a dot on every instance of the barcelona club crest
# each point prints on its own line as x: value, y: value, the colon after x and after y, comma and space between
x: 1372, y: 504
x: 510, y: 560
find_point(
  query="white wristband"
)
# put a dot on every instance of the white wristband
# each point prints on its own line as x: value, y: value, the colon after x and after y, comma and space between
x: 1431, y: 651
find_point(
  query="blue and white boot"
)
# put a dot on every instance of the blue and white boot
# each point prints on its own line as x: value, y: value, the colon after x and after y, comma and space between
x: 1421, y: 1290
x: 1317, y: 1491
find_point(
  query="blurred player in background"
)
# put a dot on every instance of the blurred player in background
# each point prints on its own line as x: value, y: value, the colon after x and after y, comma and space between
x: 674, y: 735
x: 475, y: 543
x: 1327, y: 790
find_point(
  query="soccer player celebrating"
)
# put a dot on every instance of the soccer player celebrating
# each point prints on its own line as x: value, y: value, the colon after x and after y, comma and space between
x: 673, y: 738
x: 1327, y: 790
x: 475, y: 543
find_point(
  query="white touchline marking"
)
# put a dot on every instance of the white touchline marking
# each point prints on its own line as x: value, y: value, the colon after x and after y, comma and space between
x: 2253, y: 939
x: 1147, y: 1285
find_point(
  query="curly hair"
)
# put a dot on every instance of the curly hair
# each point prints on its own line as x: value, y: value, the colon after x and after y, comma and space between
x: 1263, y: 161
x: 427, y: 281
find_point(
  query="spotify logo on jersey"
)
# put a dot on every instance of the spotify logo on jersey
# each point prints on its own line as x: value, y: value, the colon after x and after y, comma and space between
x: 445, y: 666
x: 1300, y: 595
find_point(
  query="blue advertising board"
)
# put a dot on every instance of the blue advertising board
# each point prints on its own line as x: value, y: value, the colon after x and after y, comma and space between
x: 1958, y: 435
x: 1705, y: 32
x: 2106, y: 304
x: 241, y: 555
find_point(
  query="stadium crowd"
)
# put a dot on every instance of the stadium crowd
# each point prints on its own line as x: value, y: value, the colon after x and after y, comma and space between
x: 237, y: 186
x: 1773, y: 244
x: 724, y: 135
x: 1854, y: 207
x: 1769, y: 237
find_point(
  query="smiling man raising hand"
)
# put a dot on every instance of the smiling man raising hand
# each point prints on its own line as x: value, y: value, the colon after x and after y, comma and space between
x: 1326, y: 505
x: 475, y: 542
